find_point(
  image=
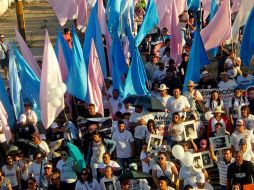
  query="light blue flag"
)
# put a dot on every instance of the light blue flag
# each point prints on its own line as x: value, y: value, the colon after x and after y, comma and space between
x: 15, y: 86
x: 77, y: 76
x: 150, y: 20
x: 93, y: 30
x: 127, y: 11
x: 119, y: 68
x: 197, y: 60
x: 135, y: 83
x: 65, y: 48
x: 113, y: 11
x: 213, y: 10
x: 247, y: 46
x: 4, y: 98
x: 30, y: 83
x: 193, y: 4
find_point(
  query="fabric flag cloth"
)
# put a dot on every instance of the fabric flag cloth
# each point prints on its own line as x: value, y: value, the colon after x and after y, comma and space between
x: 3, y: 118
x: 82, y: 14
x: 236, y: 5
x: 65, y: 10
x: 181, y: 6
x: 50, y: 74
x: 193, y: 4
x: 4, y: 98
x: 120, y: 68
x: 197, y: 60
x: 176, y: 37
x: 15, y: 85
x: 127, y: 11
x: 214, y: 34
x: 77, y: 76
x: 206, y: 5
x: 95, y: 80
x: 247, y: 46
x: 102, y: 17
x: 27, y: 54
x: 241, y: 19
x: 93, y: 31
x: 63, y: 53
x: 30, y: 83
x: 214, y: 8
x: 135, y: 83
x: 150, y: 20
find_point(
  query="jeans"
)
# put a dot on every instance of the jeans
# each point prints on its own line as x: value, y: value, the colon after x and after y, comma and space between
x: 223, y: 187
x: 122, y: 162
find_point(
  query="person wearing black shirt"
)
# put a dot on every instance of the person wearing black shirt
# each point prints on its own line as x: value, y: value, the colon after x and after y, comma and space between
x: 250, y: 92
x: 205, y: 82
x: 183, y: 67
x: 171, y: 81
x: 23, y: 130
x: 240, y: 171
x: 91, y: 113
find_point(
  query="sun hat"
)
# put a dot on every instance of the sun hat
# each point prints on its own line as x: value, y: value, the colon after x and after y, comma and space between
x: 218, y: 110
x: 239, y: 122
x: 191, y: 83
x: 163, y: 87
x: 47, y: 165
x: 2, y: 36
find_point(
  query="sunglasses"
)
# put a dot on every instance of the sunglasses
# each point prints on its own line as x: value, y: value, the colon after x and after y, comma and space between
x: 39, y: 157
x: 160, y: 158
x: 63, y: 154
x: 83, y: 174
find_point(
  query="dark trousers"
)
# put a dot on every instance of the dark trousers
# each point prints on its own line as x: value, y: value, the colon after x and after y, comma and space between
x: 67, y: 186
x: 3, y: 149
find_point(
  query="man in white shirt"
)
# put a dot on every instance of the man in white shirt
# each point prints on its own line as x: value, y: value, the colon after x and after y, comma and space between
x: 160, y: 73
x: 124, y: 144
x: 225, y: 82
x: 163, y: 94
x: 178, y: 103
x: 245, y: 80
x: 115, y: 102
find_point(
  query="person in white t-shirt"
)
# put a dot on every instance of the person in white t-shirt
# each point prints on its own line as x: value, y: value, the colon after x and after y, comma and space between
x: 36, y: 168
x: 248, y: 154
x: 124, y: 144
x: 201, y: 183
x: 37, y: 140
x: 160, y: 73
x: 245, y: 80
x: 225, y: 82
x: 147, y: 159
x: 115, y: 102
x: 178, y: 103
x: 109, y: 181
x: 163, y: 97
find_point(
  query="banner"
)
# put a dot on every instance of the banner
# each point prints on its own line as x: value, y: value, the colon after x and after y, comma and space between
x: 162, y: 121
x: 225, y: 94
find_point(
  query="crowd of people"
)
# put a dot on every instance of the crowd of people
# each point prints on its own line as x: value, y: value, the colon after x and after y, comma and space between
x: 219, y: 129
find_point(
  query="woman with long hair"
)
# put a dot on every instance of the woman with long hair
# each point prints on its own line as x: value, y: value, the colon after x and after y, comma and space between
x: 176, y: 128
x: 87, y: 181
x: 5, y: 183
x: 151, y: 129
x: 12, y: 171
x: 214, y: 101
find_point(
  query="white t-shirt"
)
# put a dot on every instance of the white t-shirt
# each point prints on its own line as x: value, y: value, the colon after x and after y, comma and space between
x: 245, y: 81
x: 145, y: 166
x: 168, y: 171
x: 115, y: 104
x: 44, y: 146
x: 112, y: 183
x: 37, y: 170
x: 112, y: 164
x: 178, y: 135
x: 159, y: 75
x: 190, y: 97
x: 214, y: 104
x: 177, y: 105
x: 88, y: 186
x: 238, y: 103
x: 188, y: 175
x: 124, y: 110
x: 11, y: 174
x: 140, y: 131
x: 123, y: 143
x: 236, y: 137
x: 163, y: 100
x: 207, y: 186
x: 143, y: 115
x: 66, y: 169
x: 248, y: 155
x: 228, y: 84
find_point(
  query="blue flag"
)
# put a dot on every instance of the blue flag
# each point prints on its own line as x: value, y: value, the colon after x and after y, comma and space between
x: 4, y: 98
x: 197, y: 60
x: 135, y: 83
x: 77, y: 76
x: 93, y: 30
x: 119, y: 66
x: 30, y: 83
x: 127, y: 11
x: 150, y: 20
x: 213, y: 10
x: 15, y: 86
x: 247, y: 46
x: 193, y: 4
x: 65, y: 48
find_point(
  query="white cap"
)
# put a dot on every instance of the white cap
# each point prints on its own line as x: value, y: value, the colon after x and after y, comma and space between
x: 54, y: 125
x: 22, y: 118
x: 2, y: 36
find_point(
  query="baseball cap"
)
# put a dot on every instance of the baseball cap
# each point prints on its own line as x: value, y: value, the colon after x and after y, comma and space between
x: 242, y: 141
x: 239, y: 122
x: 47, y: 165
x: 22, y: 118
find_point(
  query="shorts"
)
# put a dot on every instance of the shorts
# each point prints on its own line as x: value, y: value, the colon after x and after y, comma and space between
x: 4, y: 63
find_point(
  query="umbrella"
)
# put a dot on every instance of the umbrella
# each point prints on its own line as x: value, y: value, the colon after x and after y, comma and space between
x: 134, y: 175
x: 150, y: 103
x: 29, y: 146
x: 76, y: 155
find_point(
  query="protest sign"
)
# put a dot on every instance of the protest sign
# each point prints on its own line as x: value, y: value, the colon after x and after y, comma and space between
x: 162, y: 121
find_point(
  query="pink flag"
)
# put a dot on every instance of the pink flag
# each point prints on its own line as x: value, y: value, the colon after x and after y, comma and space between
x: 3, y: 118
x: 27, y: 54
x: 164, y: 9
x: 206, y: 7
x: 219, y: 29
x: 95, y: 80
x: 50, y: 76
x: 82, y: 14
x: 108, y: 43
x: 176, y: 37
x: 102, y: 17
x: 181, y: 5
x: 64, y: 10
x: 62, y: 62
x: 236, y: 5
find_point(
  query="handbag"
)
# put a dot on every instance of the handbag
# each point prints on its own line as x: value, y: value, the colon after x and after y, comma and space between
x: 199, y: 105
